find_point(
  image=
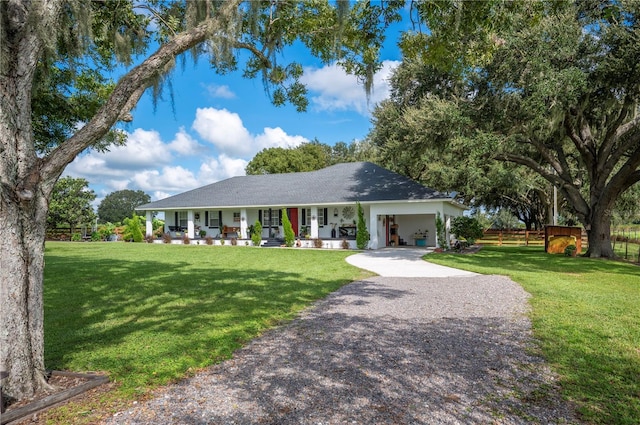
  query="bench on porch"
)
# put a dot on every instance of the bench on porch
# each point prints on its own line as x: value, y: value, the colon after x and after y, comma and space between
x: 230, y: 232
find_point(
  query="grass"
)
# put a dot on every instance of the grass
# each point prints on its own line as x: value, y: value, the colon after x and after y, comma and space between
x: 586, y: 315
x: 149, y: 314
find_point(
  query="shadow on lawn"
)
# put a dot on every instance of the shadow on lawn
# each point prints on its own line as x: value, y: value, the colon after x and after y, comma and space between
x: 148, y: 322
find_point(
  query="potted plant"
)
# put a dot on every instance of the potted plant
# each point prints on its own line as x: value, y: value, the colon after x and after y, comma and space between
x: 571, y: 251
x: 203, y: 233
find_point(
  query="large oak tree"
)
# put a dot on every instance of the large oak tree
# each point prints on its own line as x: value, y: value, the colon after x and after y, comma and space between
x: 550, y: 86
x: 44, y: 35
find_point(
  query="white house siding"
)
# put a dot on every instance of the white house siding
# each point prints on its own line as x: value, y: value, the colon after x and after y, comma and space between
x: 411, y: 217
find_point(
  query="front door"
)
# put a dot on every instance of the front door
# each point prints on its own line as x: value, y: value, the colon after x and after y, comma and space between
x: 293, y: 218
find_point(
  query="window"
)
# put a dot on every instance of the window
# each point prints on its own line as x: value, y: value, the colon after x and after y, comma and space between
x: 182, y: 218
x: 275, y: 218
x: 322, y: 216
x: 236, y: 217
x: 214, y: 218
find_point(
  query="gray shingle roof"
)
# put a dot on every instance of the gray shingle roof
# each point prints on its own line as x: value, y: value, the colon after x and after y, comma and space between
x: 338, y: 184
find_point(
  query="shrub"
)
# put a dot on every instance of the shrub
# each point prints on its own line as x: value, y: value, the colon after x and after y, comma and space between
x: 209, y: 240
x: 256, y: 233
x: 570, y: 250
x: 76, y: 237
x: 289, y: 235
x: 234, y: 241
x: 442, y: 243
x: 186, y: 240
x: 106, y: 230
x: 203, y: 233
x: 317, y: 242
x: 149, y: 238
x: 166, y: 238
x: 132, y: 229
x: 95, y: 236
x: 345, y: 244
x: 468, y: 228
x: 362, y: 234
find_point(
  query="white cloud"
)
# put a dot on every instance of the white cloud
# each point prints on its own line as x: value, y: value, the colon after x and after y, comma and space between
x: 223, y: 92
x: 276, y: 137
x: 144, y: 148
x: 227, y: 133
x: 184, y: 144
x: 223, y: 167
x: 170, y: 178
x: 163, y: 169
x: 338, y: 90
x: 224, y: 129
x: 159, y: 194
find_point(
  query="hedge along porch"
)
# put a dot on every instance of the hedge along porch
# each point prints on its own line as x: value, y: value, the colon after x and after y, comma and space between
x: 320, y: 204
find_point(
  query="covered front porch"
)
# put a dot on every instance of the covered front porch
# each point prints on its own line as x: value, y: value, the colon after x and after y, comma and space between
x: 389, y: 224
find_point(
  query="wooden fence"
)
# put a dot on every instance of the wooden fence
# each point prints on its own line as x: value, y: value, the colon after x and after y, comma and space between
x: 518, y: 237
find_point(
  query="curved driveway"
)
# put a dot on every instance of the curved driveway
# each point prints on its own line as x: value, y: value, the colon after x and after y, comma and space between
x: 402, y: 262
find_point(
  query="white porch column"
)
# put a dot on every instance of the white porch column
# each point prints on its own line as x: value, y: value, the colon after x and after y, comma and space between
x: 314, y: 222
x: 149, y: 225
x: 447, y: 230
x: 373, y: 228
x: 190, y: 226
x: 243, y: 224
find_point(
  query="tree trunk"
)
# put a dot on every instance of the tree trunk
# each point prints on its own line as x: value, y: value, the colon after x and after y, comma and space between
x: 22, y: 232
x: 599, y: 235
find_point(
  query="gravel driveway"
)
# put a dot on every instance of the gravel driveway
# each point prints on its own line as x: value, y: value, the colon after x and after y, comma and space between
x: 386, y: 350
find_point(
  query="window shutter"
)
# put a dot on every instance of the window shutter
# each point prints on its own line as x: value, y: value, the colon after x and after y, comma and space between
x: 206, y: 218
x: 220, y: 218
x: 304, y: 217
x: 260, y: 216
x: 326, y: 216
x: 279, y: 217
x: 177, y: 222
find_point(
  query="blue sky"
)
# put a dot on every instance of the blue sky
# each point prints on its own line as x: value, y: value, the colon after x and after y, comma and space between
x: 218, y: 123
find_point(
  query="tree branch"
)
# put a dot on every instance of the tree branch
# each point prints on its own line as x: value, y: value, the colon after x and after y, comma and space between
x: 129, y: 89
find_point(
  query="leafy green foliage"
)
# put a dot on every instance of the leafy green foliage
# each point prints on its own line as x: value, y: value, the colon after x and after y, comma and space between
x: 117, y: 206
x: 106, y: 230
x: 468, y: 228
x: 441, y: 240
x: 308, y: 157
x: 362, y: 234
x: 71, y: 203
x: 289, y: 234
x: 551, y: 86
x: 256, y: 234
x: 133, y: 229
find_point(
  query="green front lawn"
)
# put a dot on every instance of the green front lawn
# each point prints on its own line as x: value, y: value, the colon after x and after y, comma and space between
x: 586, y: 314
x: 149, y: 314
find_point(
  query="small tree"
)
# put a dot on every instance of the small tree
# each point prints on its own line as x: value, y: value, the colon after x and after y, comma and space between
x: 256, y: 234
x: 71, y: 203
x: 133, y: 229
x: 440, y: 239
x: 467, y: 228
x: 289, y: 235
x: 362, y: 234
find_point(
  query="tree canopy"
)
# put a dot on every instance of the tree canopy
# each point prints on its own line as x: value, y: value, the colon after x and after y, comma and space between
x: 121, y: 204
x: 70, y: 203
x: 550, y: 86
x: 308, y: 157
